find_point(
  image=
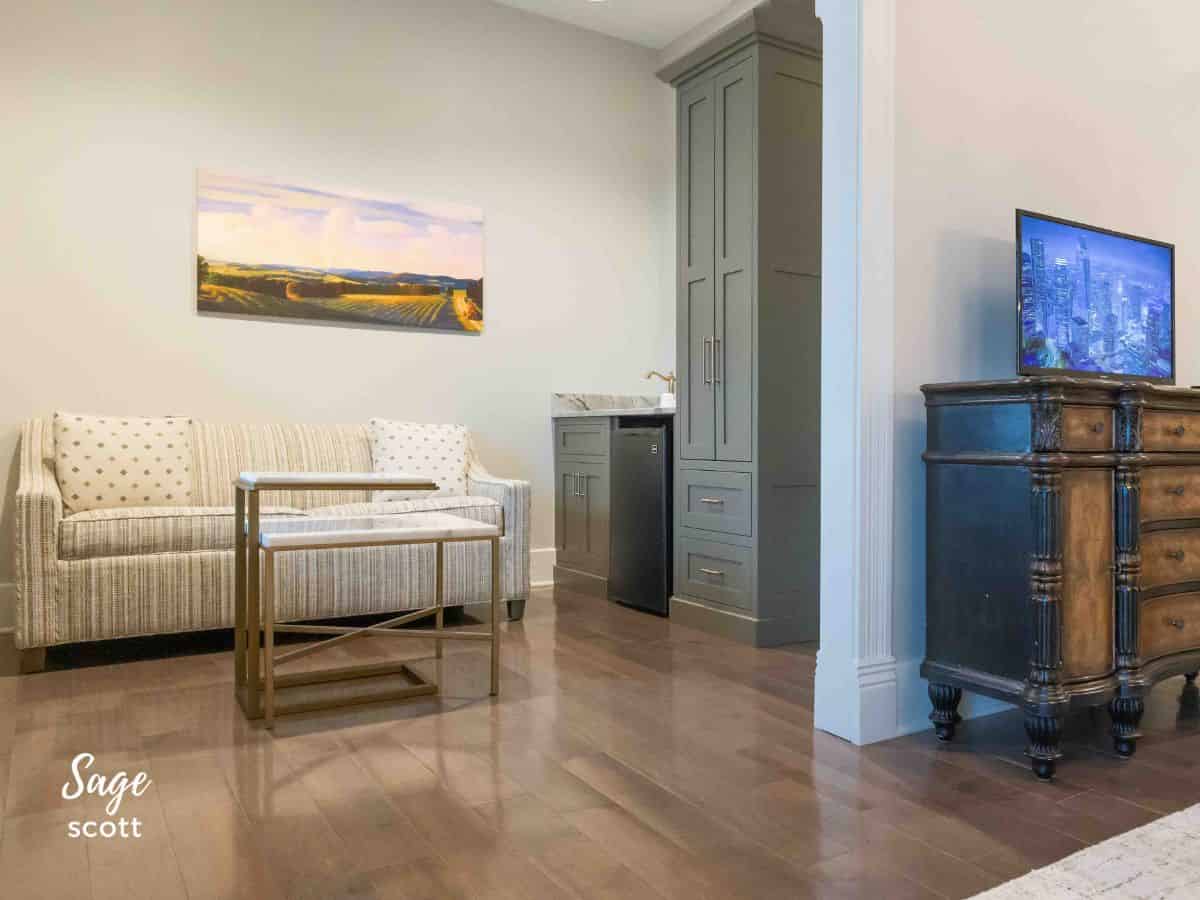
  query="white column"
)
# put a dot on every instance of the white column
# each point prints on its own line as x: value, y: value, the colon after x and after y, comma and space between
x: 856, y: 695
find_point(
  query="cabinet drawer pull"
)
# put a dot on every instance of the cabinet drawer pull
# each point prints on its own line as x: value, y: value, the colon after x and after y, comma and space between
x: 1098, y: 428
x: 1178, y: 431
x: 1176, y: 555
x: 715, y: 573
x: 1174, y: 623
x: 1177, y: 490
x: 715, y: 501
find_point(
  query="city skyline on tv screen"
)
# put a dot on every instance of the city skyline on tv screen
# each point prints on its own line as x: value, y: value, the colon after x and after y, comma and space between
x: 1094, y: 302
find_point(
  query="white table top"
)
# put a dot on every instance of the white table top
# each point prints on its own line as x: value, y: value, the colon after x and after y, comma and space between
x: 287, y: 534
x: 334, y: 480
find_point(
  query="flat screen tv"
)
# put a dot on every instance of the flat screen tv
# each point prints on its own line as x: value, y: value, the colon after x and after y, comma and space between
x: 1093, y: 302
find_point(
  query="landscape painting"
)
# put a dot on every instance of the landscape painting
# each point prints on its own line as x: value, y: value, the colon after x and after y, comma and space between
x: 269, y: 249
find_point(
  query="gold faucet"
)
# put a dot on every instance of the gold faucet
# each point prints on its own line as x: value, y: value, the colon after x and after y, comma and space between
x: 669, y: 379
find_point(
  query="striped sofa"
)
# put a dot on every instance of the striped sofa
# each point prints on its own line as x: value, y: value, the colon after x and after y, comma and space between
x: 109, y: 573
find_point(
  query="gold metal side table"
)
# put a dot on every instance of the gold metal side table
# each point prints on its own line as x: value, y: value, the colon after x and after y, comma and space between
x: 247, y: 556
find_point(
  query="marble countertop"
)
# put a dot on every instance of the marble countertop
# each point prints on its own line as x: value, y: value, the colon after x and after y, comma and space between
x: 568, y: 406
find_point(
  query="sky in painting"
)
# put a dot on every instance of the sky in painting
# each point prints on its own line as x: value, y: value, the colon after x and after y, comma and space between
x: 260, y: 222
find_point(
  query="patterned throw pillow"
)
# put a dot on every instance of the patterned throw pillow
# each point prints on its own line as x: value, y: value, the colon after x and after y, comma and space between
x: 107, y: 461
x: 437, y: 452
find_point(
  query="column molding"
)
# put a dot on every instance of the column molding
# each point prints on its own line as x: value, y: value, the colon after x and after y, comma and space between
x: 856, y: 693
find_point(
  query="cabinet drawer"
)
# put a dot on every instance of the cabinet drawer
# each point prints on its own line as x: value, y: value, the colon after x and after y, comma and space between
x: 588, y: 438
x: 1170, y: 492
x: 716, y: 501
x: 1169, y: 557
x: 1170, y: 430
x: 1087, y: 428
x: 714, y: 571
x: 1169, y: 624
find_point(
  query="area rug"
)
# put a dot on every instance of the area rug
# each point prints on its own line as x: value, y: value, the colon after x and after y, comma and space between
x: 1161, y: 859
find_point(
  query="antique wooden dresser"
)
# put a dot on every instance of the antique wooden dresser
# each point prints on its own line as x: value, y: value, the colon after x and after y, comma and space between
x: 1063, y: 549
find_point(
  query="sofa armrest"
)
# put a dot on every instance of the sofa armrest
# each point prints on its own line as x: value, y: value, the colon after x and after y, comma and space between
x: 514, y: 497
x: 39, y: 510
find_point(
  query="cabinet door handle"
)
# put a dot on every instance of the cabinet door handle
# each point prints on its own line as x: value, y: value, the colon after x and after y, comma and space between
x: 1176, y: 555
x: 715, y: 573
x: 1098, y: 428
x: 1175, y: 623
x: 1177, y: 490
x: 1179, y: 431
x: 706, y: 364
x: 718, y: 365
x: 578, y: 478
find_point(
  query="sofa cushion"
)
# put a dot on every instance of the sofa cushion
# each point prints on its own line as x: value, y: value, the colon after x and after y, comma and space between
x: 150, y: 529
x: 481, y: 509
x: 106, y: 462
x: 437, y: 452
x: 224, y: 451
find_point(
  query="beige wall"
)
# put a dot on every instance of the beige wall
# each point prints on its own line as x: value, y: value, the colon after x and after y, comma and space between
x: 1090, y: 111
x: 564, y: 137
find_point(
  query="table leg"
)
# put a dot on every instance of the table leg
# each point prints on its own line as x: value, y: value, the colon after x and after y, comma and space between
x: 239, y: 588
x: 495, y: 616
x: 268, y: 610
x: 439, y: 597
x: 252, y: 603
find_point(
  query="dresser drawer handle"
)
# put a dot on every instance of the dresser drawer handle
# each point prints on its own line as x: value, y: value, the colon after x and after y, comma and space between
x: 1179, y: 431
x: 1177, y: 490
x: 715, y: 501
x: 715, y: 573
x: 1174, y: 623
x: 1176, y: 555
x: 1098, y: 428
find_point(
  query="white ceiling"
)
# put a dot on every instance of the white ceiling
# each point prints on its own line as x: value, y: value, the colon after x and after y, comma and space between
x: 652, y: 23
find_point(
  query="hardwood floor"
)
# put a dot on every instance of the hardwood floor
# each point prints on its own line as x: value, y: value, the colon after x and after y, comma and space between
x: 626, y: 757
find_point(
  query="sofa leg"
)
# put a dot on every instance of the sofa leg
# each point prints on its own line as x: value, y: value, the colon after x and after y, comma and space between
x: 32, y: 660
x: 516, y: 610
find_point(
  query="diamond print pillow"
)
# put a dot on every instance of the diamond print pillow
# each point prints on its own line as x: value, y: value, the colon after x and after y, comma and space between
x: 437, y: 452
x: 111, y: 461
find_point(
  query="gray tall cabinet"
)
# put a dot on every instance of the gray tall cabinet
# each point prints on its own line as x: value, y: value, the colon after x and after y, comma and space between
x: 748, y: 323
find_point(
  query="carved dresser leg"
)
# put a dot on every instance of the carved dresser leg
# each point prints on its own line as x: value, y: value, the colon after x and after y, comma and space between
x: 945, y: 717
x: 1045, y: 736
x: 1126, y: 712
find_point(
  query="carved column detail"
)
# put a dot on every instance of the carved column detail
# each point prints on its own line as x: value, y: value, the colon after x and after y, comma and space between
x: 1128, y: 568
x: 1044, y: 699
x: 1129, y: 424
x: 1047, y: 425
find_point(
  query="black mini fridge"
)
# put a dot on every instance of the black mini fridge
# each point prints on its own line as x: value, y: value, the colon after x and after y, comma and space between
x: 640, y: 552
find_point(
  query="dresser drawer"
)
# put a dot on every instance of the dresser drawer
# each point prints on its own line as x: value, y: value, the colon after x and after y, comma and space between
x: 1170, y: 557
x: 1170, y: 430
x: 715, y: 501
x: 714, y: 571
x: 588, y: 438
x: 1087, y: 428
x: 1169, y: 624
x: 1170, y: 492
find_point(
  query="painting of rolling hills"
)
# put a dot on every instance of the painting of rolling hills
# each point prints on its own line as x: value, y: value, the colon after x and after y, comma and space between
x: 281, y: 251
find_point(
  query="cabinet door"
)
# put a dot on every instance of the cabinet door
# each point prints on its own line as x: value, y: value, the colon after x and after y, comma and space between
x: 568, y: 531
x: 695, y: 419
x: 591, y: 552
x: 733, y: 376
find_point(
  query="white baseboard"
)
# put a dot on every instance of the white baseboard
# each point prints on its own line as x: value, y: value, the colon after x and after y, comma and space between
x: 8, y: 606
x: 541, y: 566
x: 914, y: 700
